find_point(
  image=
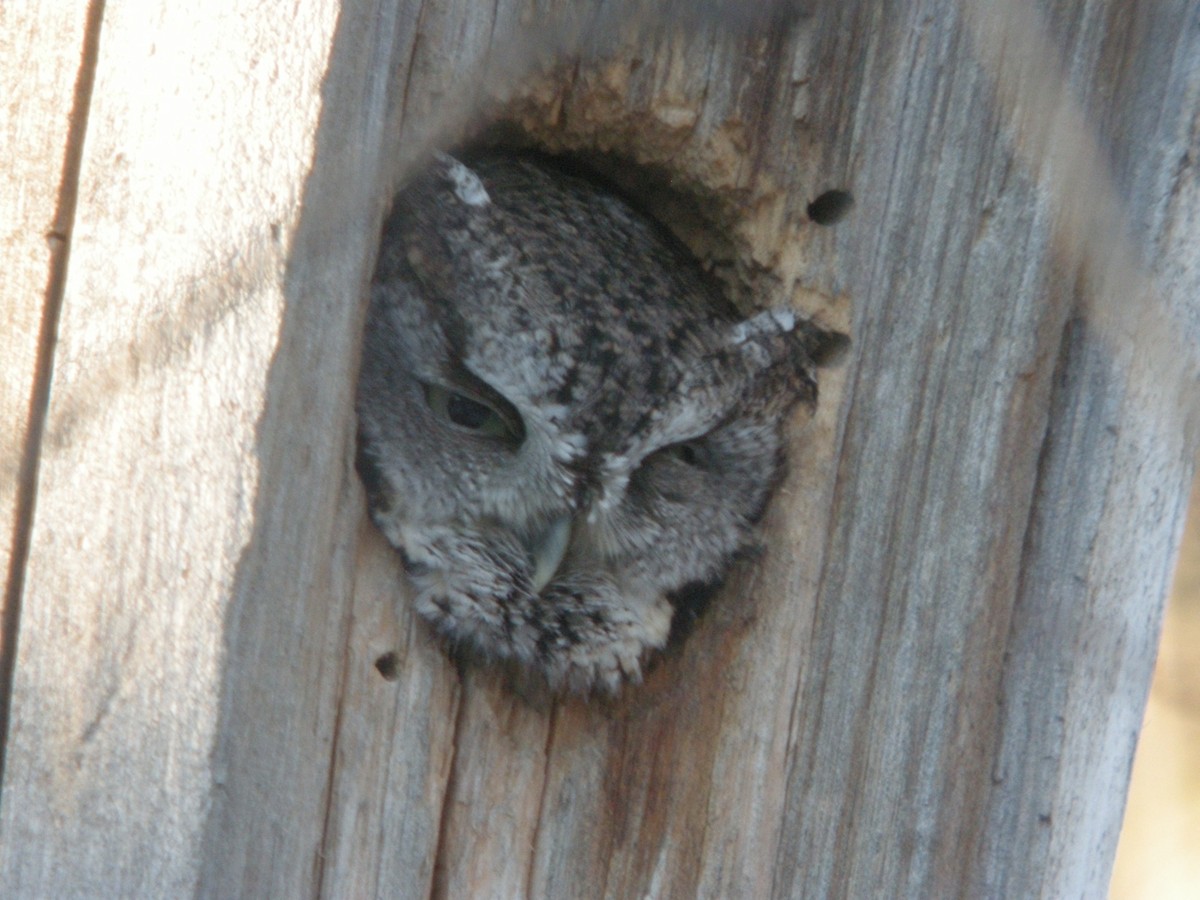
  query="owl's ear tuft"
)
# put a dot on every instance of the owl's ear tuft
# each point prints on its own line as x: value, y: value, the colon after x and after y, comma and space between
x: 827, y: 349
x: 466, y: 184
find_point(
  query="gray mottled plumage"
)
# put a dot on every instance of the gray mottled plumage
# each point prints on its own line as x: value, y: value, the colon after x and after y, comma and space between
x: 564, y: 426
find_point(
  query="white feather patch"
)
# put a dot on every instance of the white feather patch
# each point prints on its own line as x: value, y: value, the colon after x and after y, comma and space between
x: 770, y: 322
x: 467, y: 186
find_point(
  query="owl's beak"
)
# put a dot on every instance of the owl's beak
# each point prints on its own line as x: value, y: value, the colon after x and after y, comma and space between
x: 548, y: 548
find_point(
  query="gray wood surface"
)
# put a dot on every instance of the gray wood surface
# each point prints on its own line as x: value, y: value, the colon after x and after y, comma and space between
x: 931, y: 681
x: 36, y: 137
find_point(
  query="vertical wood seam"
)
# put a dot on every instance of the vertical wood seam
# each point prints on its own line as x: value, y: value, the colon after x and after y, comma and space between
x: 331, y: 772
x: 59, y: 240
x: 541, y: 809
x: 975, y: 862
x: 408, y: 67
x: 437, y: 877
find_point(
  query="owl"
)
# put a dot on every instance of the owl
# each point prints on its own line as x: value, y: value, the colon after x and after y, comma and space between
x: 566, y: 430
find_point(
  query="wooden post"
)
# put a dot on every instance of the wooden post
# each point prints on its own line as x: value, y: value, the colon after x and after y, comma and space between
x: 929, y: 684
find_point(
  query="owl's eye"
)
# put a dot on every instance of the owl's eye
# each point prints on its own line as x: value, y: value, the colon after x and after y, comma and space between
x: 690, y: 453
x: 468, y: 413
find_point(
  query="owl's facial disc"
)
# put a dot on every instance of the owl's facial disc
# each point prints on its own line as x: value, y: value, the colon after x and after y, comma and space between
x: 564, y: 423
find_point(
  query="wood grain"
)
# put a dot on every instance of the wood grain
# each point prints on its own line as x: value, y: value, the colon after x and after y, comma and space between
x: 929, y: 683
x: 47, y: 83
x: 194, y: 379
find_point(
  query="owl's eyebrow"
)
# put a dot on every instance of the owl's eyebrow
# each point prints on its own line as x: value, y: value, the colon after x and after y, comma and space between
x: 458, y: 376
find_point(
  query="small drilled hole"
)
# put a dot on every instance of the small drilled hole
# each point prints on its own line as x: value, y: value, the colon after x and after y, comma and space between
x: 388, y: 666
x: 830, y: 207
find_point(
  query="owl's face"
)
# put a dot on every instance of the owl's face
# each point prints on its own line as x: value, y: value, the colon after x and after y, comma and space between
x: 564, y: 427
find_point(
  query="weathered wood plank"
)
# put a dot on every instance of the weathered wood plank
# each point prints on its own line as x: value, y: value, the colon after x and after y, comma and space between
x: 395, y: 745
x: 850, y: 715
x: 42, y: 79
x: 184, y: 614
x: 941, y: 654
x: 1156, y: 855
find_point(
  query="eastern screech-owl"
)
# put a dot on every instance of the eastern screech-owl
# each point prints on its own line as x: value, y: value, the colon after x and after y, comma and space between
x: 565, y: 428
